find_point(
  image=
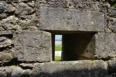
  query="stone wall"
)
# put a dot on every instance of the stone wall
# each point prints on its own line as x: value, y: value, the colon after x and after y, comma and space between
x: 27, y: 29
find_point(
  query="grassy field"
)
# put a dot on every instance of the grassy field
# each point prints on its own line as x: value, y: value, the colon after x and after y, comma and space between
x: 57, y: 58
x: 57, y: 49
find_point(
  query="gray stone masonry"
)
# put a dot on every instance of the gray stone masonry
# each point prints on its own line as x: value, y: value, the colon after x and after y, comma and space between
x: 73, y: 15
x: 77, y: 16
x: 112, y: 19
x: 33, y: 46
x: 61, y: 19
x: 27, y: 38
x: 84, y: 68
x: 105, y: 45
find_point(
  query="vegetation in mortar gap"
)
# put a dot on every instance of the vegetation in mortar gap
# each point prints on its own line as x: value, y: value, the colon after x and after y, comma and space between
x: 112, y: 3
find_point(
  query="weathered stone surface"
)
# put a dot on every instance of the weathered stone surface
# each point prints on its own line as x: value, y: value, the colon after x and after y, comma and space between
x: 71, y: 15
x: 31, y: 4
x: 30, y: 23
x: 9, y: 8
x: 24, y: 0
x: 5, y: 39
x: 70, y: 3
x: 33, y: 46
x: 27, y: 65
x: 3, y: 15
x: 112, y: 19
x: 18, y: 16
x: 5, y: 33
x: 23, y: 9
x: 2, y: 8
x: 105, y: 45
x: 112, y: 66
x: 10, y: 23
x: 112, y: 12
x: 71, y: 69
x: 5, y: 42
x: 5, y: 57
x: 6, y: 8
x: 112, y: 24
x: 60, y: 19
x: 14, y: 71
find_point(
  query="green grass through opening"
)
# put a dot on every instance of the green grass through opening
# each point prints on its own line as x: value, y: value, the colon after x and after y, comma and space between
x: 57, y: 58
x: 58, y: 48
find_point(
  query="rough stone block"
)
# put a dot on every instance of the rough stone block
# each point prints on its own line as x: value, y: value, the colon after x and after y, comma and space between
x: 5, y: 42
x: 82, y: 4
x: 62, y: 19
x: 14, y: 71
x: 33, y: 46
x: 105, y: 45
x: 5, y: 39
x: 112, y: 24
x: 111, y: 19
x: 71, y: 69
x: 5, y: 57
x: 5, y: 33
x: 71, y: 15
x: 10, y: 23
x: 112, y: 12
x: 22, y: 9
